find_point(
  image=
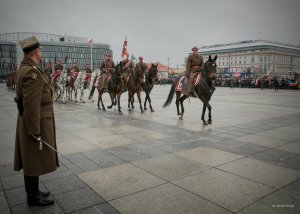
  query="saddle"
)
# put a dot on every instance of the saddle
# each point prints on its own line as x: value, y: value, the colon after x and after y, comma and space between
x: 74, y: 75
x: 182, y: 83
x: 88, y: 77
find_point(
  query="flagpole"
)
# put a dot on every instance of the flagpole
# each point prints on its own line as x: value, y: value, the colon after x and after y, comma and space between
x: 92, y: 56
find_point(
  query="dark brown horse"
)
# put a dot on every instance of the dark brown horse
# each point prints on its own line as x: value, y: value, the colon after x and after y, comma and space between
x: 151, y: 78
x: 203, y: 90
x: 134, y: 86
x: 114, y: 89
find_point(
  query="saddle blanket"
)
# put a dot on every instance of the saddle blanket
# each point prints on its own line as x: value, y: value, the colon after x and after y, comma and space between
x: 182, y: 81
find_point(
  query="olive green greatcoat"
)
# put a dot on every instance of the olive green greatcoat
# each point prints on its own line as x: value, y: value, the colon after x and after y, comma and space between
x: 106, y: 68
x: 37, y: 119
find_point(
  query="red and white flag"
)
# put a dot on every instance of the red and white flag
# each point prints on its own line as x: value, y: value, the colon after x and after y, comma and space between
x: 90, y: 40
x: 237, y: 74
x: 268, y: 75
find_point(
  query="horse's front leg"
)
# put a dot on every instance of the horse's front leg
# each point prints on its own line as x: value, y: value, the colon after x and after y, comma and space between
x: 177, y: 105
x: 203, y: 114
x: 63, y: 94
x: 82, y: 95
x: 138, y: 94
x: 181, y: 104
x: 209, y: 114
x: 129, y: 100
x: 112, y: 98
x: 119, y: 103
x: 206, y: 104
x: 98, y: 103
x: 149, y: 100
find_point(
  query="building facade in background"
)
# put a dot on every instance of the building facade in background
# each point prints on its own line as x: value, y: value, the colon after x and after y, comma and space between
x: 255, y: 57
x: 54, y: 47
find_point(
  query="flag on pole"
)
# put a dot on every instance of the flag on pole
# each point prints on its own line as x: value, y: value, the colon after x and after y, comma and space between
x: 124, y: 50
x: 237, y: 74
x: 90, y: 40
x: 268, y: 75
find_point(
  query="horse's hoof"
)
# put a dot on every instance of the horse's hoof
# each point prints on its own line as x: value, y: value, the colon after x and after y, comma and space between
x: 205, y: 123
x: 180, y: 117
x: 129, y: 109
x: 109, y: 107
x: 83, y: 101
x: 209, y: 122
x: 99, y: 108
x: 75, y: 101
x: 152, y: 110
x: 120, y: 112
x: 142, y: 111
x: 145, y: 109
x: 103, y: 109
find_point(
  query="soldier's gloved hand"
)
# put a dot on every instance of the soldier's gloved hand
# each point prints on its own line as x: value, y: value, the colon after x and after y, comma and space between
x: 37, y: 137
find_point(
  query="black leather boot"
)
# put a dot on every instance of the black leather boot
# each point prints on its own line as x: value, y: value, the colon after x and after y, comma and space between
x: 44, y: 193
x: 38, y: 200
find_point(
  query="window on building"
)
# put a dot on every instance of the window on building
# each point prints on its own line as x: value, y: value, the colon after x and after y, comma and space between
x: 252, y: 59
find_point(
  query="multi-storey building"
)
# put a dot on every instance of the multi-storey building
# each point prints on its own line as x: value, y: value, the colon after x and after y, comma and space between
x: 54, y: 47
x: 256, y: 57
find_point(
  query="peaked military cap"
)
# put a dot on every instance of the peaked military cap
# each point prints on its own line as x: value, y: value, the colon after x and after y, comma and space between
x: 29, y: 44
x: 140, y: 58
x: 194, y: 48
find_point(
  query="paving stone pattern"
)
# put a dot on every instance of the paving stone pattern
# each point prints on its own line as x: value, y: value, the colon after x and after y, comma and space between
x: 247, y: 161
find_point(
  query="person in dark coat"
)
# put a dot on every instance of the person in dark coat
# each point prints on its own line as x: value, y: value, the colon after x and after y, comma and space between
x: 35, y: 121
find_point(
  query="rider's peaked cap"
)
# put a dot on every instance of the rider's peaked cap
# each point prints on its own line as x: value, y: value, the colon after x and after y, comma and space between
x: 194, y: 48
x: 29, y: 44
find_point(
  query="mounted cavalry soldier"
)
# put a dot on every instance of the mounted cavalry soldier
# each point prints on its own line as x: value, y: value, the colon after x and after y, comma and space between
x: 75, y: 70
x: 35, y: 122
x: 57, y: 70
x: 48, y: 71
x: 88, y: 75
x: 194, y: 66
x: 127, y: 65
x: 141, y: 67
x: 106, y: 68
x: 69, y: 71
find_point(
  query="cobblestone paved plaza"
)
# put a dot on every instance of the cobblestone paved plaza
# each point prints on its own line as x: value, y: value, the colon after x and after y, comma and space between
x: 247, y: 161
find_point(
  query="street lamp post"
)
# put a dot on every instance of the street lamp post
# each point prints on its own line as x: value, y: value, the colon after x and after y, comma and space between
x: 168, y: 66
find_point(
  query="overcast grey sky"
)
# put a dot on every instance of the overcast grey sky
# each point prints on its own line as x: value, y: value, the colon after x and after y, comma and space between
x: 157, y: 29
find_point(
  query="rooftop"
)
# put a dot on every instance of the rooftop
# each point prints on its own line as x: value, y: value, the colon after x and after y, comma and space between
x: 248, y: 44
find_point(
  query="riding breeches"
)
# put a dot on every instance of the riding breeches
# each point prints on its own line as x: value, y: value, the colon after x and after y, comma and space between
x: 191, y: 81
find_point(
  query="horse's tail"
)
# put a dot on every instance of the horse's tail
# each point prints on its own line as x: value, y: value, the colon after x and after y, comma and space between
x: 170, y: 96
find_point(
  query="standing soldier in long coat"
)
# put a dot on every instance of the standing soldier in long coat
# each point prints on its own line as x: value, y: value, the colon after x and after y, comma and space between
x: 35, y: 121
x: 141, y: 68
x: 106, y: 68
x: 194, y: 66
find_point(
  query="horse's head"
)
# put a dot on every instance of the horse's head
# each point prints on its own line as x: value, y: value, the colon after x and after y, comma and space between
x: 153, y: 72
x: 119, y: 69
x: 210, y: 67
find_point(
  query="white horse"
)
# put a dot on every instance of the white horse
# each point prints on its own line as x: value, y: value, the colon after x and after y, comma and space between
x: 61, y: 86
x: 79, y: 85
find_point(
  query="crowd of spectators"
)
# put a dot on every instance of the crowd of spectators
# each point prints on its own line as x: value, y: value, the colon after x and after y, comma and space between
x: 260, y: 82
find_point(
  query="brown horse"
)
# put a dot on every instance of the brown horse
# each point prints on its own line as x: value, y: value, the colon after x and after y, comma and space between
x: 203, y: 90
x: 151, y: 78
x: 114, y: 89
x: 134, y: 86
